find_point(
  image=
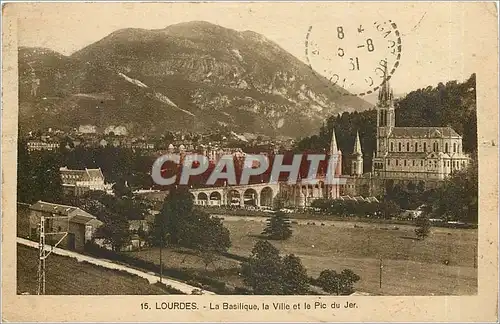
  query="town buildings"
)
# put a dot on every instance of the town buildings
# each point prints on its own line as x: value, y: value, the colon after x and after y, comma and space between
x: 78, y: 182
x: 424, y: 156
x: 70, y: 224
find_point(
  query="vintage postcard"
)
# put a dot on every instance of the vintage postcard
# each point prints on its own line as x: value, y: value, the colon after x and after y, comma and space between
x: 250, y: 162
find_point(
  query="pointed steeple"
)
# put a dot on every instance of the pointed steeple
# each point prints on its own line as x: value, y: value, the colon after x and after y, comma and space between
x: 333, y: 144
x: 385, y: 92
x: 357, y: 145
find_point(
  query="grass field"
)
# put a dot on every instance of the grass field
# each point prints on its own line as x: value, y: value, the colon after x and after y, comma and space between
x: 410, y: 267
x: 223, y: 268
x: 67, y: 276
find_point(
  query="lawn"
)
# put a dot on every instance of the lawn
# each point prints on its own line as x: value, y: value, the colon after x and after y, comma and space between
x: 67, y: 276
x: 410, y: 267
x: 442, y: 264
x: 223, y: 268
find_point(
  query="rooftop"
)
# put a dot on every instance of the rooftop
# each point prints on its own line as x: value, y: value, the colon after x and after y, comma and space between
x: 76, y: 214
x: 423, y: 132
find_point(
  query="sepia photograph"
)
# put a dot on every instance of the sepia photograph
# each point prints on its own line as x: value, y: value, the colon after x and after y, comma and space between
x: 328, y: 150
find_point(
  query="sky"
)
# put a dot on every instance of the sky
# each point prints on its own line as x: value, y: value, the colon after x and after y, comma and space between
x: 440, y: 41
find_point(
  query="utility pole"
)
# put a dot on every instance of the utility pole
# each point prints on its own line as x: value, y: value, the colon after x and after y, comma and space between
x: 381, y: 267
x: 161, y: 252
x: 475, y: 257
x: 42, y: 253
x: 41, y: 258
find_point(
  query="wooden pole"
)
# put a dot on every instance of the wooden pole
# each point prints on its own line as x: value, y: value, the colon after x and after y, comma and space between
x: 475, y: 257
x: 380, y: 279
x: 161, y: 252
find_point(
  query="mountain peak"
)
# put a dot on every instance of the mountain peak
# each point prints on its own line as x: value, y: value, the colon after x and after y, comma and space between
x: 194, y: 75
x: 195, y: 24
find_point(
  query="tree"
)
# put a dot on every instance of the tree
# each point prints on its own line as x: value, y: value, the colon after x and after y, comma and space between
x: 142, y: 234
x: 295, y: 281
x: 115, y: 231
x: 205, y: 234
x: 390, y: 209
x: 340, y: 284
x: 278, y: 226
x: 121, y: 189
x: 174, y: 215
x: 347, y: 280
x: 263, y: 271
x: 457, y: 199
x: 423, y: 223
x: 38, y: 175
x: 329, y: 281
x: 281, y: 200
x: 180, y: 224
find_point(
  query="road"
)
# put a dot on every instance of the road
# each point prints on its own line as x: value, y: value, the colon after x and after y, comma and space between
x: 151, y: 277
x: 341, y: 224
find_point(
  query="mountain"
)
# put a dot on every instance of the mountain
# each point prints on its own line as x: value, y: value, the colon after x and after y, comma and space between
x: 188, y: 76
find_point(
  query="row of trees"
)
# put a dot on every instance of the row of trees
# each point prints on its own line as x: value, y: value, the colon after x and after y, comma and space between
x: 385, y: 209
x: 115, y: 211
x: 39, y: 178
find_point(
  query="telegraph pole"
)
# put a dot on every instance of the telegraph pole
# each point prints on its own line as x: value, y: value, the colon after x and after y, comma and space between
x: 161, y: 252
x: 380, y: 278
x: 475, y: 257
x: 41, y: 258
x: 42, y: 253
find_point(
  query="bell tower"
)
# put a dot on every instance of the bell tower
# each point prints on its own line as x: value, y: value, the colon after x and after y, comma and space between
x: 386, y: 121
x: 386, y: 118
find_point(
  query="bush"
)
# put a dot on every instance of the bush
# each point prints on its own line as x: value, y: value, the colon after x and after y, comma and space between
x: 423, y: 227
x: 339, y: 283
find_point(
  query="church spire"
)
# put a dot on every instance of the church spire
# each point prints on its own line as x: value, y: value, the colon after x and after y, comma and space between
x: 357, y: 145
x: 333, y: 144
x: 385, y: 92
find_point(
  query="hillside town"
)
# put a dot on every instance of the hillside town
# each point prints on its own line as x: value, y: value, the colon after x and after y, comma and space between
x: 346, y: 197
x: 86, y: 212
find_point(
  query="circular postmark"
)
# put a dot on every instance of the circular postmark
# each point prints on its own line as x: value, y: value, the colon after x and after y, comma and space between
x: 358, y: 58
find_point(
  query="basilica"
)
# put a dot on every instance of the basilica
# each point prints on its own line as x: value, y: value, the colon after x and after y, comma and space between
x: 422, y: 155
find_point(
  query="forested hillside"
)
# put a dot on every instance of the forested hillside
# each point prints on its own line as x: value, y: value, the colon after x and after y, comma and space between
x: 451, y: 104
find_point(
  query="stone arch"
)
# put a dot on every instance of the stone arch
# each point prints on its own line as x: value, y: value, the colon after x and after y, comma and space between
x: 202, y: 196
x: 234, y: 197
x: 266, y: 196
x: 215, y: 196
x: 250, y: 197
